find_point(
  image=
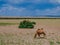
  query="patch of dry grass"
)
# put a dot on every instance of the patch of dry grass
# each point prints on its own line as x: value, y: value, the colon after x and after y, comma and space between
x: 18, y: 39
x: 12, y: 35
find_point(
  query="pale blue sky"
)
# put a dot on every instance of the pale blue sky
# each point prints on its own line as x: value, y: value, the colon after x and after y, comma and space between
x: 29, y: 7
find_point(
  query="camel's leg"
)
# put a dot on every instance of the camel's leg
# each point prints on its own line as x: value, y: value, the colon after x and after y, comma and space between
x: 35, y: 35
x: 39, y: 35
x: 44, y: 34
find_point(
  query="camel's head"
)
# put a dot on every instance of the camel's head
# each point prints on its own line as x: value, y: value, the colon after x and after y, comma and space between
x: 38, y: 29
x: 41, y: 28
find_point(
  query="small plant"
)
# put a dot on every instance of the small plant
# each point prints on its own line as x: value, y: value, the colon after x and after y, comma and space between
x: 26, y: 24
x: 2, y: 42
x: 51, y: 43
x: 58, y: 42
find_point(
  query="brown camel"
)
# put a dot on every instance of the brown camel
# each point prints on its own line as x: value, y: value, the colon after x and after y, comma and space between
x: 39, y: 32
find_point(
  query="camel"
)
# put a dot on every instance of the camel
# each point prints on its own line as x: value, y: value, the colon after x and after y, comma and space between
x: 39, y: 32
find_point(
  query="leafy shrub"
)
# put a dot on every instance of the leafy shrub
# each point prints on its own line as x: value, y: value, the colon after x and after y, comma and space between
x: 26, y: 24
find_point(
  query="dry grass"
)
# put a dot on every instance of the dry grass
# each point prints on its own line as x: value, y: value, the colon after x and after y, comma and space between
x: 12, y: 35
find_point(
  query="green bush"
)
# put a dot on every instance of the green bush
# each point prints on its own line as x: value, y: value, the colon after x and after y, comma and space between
x: 26, y: 24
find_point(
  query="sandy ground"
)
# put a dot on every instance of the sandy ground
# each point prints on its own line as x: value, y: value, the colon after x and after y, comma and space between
x: 51, y: 28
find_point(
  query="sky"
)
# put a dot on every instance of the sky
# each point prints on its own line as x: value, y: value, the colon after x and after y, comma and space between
x: 30, y: 8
